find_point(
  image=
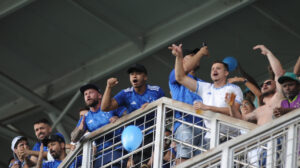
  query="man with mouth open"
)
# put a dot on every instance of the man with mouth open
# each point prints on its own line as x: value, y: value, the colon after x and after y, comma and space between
x: 135, y: 97
x: 213, y: 94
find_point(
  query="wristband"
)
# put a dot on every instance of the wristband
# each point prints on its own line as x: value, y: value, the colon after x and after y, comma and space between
x: 245, y: 81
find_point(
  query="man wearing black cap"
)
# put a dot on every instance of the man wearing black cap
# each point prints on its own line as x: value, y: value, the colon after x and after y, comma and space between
x: 135, y: 97
x: 94, y: 119
x: 56, y: 146
x: 291, y: 90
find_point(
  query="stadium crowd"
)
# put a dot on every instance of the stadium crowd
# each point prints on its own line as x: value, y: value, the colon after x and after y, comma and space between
x: 275, y: 97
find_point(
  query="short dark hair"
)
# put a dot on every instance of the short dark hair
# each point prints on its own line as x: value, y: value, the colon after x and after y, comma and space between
x: 43, y: 120
x: 221, y: 62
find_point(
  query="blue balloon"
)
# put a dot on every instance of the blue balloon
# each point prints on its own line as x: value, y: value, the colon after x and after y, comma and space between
x: 132, y: 137
x: 231, y: 62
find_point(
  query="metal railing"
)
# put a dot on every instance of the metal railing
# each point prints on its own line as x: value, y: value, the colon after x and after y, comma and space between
x: 103, y: 147
x: 275, y: 144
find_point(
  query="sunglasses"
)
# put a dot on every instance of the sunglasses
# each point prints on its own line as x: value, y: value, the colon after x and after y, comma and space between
x: 266, y: 83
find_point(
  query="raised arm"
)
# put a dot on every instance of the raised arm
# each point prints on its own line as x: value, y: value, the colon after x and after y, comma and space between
x: 195, y: 60
x: 274, y: 62
x: 108, y: 103
x: 247, y: 83
x: 180, y: 75
x: 297, y: 67
x: 40, y: 157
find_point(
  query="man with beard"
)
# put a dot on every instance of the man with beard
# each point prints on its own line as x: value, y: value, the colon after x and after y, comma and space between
x: 271, y: 92
x: 135, y: 97
x: 42, y: 129
x: 94, y: 119
x: 291, y: 90
x: 56, y: 147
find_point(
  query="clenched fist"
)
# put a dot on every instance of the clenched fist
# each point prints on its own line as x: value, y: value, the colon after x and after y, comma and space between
x: 111, y: 82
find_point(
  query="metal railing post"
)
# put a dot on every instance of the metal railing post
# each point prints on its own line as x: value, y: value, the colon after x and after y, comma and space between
x: 226, y: 159
x: 87, y: 154
x: 270, y: 162
x: 214, y: 133
x: 159, y: 136
x: 291, y: 147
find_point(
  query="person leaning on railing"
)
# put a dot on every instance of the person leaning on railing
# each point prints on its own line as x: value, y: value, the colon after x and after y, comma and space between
x: 133, y: 98
x: 94, y: 119
x: 213, y: 94
x: 179, y: 92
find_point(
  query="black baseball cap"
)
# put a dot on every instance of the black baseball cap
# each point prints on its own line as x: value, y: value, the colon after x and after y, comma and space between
x: 89, y: 86
x: 53, y: 138
x: 137, y: 68
x: 186, y: 52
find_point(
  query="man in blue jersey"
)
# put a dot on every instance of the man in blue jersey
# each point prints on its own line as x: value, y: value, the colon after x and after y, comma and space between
x: 179, y: 92
x: 56, y: 146
x: 42, y: 129
x: 94, y: 119
x: 135, y: 97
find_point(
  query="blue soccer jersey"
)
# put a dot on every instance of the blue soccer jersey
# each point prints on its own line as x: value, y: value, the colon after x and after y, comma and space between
x: 183, y: 94
x: 96, y: 120
x: 52, y: 164
x: 133, y: 101
x: 55, y: 164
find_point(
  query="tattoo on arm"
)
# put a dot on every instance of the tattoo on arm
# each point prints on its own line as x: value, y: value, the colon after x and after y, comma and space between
x: 76, y: 134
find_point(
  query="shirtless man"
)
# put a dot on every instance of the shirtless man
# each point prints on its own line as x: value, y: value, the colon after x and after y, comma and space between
x: 271, y: 92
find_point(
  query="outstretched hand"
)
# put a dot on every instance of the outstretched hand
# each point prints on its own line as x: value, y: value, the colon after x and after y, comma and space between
x: 264, y: 49
x: 111, y: 82
x: 176, y: 50
x: 204, y: 50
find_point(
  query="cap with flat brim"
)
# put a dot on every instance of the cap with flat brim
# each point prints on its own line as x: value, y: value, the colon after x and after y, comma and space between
x: 53, y: 138
x: 287, y: 77
x: 15, y: 142
x: 89, y: 86
x: 137, y: 68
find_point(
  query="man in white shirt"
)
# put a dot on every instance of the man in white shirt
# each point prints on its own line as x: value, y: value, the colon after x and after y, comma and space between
x: 213, y: 94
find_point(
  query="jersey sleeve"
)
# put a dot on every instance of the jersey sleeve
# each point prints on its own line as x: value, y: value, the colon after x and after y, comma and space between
x: 239, y: 94
x: 202, y: 87
x: 120, y: 98
x: 172, y: 79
